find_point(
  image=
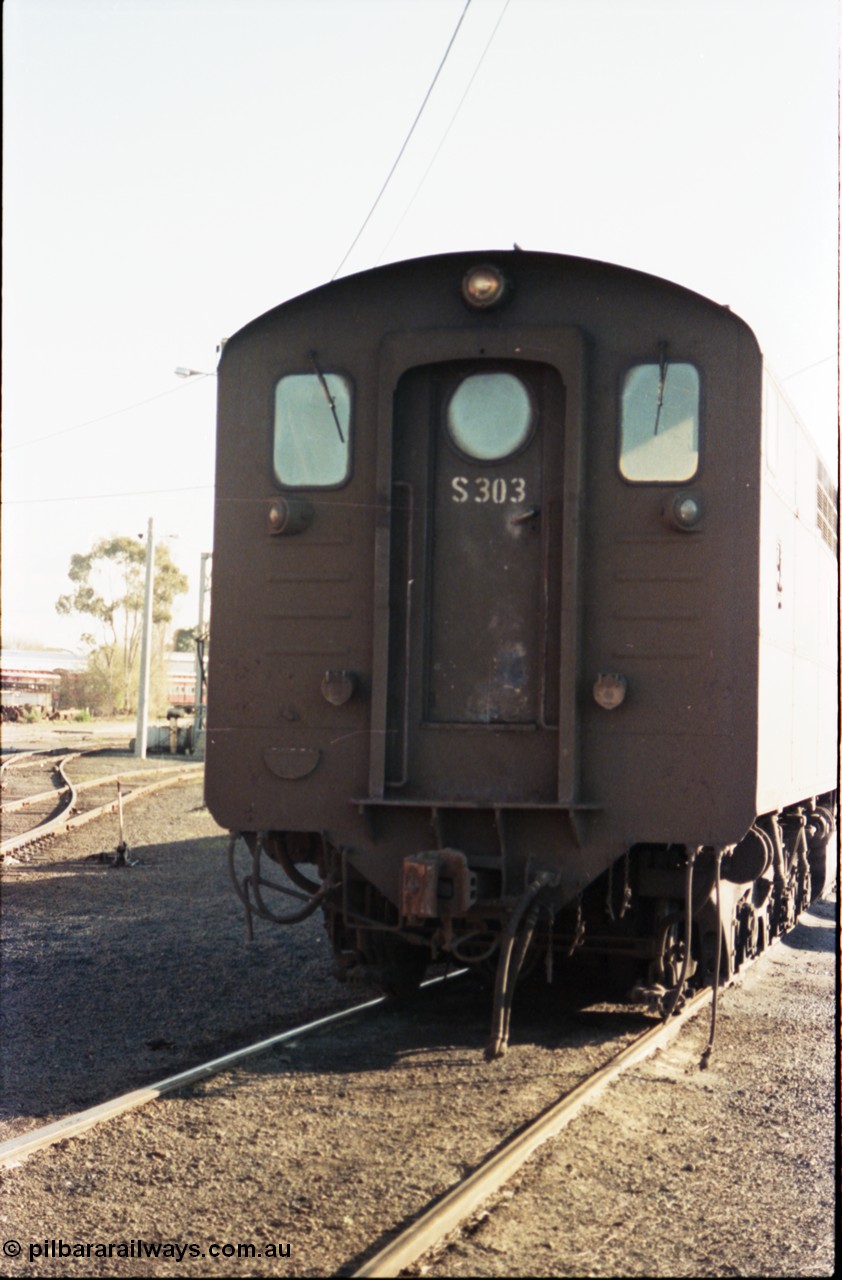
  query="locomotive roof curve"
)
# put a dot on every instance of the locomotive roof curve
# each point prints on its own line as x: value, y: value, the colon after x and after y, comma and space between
x: 461, y: 259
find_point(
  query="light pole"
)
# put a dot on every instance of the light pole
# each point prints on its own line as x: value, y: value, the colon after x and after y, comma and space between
x: 185, y: 371
x: 201, y: 647
x: 146, y: 649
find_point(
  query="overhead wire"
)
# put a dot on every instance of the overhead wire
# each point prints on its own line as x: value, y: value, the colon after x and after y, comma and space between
x: 406, y: 140
x: 94, y: 497
x: 446, y: 133
x: 114, y: 413
x: 807, y: 368
x: 52, y: 435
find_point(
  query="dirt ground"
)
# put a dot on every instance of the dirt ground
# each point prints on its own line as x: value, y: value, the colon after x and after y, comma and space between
x: 114, y: 978
x: 676, y: 1171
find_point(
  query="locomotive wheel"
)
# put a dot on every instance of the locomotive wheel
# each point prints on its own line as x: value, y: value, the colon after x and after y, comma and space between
x: 803, y: 898
x: 749, y: 933
x: 822, y: 869
x: 794, y: 899
x: 762, y: 898
x: 666, y: 970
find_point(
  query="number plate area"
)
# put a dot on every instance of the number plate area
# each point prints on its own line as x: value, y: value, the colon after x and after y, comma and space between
x: 475, y: 582
x: 484, y: 662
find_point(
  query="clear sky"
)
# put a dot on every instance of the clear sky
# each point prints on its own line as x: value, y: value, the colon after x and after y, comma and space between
x: 173, y: 168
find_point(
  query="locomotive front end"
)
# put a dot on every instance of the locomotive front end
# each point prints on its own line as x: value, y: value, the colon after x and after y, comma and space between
x: 481, y: 525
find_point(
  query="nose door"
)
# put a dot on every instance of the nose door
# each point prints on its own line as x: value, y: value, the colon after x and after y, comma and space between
x: 475, y: 582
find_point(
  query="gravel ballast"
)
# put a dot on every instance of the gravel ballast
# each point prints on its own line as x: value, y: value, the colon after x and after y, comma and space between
x: 115, y: 978
x: 677, y: 1171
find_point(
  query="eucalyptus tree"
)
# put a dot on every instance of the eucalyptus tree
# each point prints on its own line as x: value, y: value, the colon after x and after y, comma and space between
x: 108, y: 587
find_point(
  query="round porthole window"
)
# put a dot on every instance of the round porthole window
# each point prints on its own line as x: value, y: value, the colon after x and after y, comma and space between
x: 490, y: 416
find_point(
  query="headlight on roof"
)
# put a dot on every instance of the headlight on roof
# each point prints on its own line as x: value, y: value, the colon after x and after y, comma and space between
x: 483, y: 287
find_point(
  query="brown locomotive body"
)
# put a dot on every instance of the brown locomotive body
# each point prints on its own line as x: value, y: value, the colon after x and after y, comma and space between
x: 523, y: 607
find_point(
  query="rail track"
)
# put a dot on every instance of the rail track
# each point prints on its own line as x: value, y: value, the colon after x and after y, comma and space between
x: 446, y: 1209
x: 11, y: 760
x: 457, y: 1205
x: 444, y: 1214
x: 16, y: 1149
x: 59, y: 808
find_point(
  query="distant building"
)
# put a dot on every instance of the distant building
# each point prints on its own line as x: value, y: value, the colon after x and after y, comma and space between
x: 32, y: 677
x: 181, y: 680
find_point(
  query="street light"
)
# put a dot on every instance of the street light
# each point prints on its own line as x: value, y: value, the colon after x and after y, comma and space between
x: 146, y: 643
x: 183, y: 372
x: 201, y: 647
x: 146, y: 649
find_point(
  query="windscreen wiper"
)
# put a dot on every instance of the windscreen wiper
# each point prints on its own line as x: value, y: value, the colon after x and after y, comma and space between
x: 326, y: 389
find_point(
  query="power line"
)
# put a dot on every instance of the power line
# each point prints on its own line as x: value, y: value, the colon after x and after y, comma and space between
x: 93, y: 497
x: 446, y: 133
x: 405, y: 143
x: 89, y: 422
x: 807, y: 368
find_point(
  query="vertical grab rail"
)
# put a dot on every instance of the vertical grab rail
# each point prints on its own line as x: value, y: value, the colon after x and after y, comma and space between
x: 400, y: 645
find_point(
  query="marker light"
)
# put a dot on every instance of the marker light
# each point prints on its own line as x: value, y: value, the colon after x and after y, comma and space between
x: 684, y: 511
x: 610, y: 689
x: 290, y: 515
x: 483, y: 287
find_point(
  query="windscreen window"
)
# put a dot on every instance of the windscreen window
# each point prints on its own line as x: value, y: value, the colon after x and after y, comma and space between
x: 659, y: 423
x: 312, y: 441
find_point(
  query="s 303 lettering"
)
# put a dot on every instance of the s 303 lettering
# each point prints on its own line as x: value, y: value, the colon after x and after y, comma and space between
x: 482, y: 489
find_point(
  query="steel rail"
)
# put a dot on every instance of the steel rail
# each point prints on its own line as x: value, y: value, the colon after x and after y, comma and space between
x: 63, y: 823
x: 12, y: 806
x: 459, y: 1203
x: 26, y: 757
x: 16, y: 1149
x: 18, y: 757
x: 23, y: 802
x: 66, y: 793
